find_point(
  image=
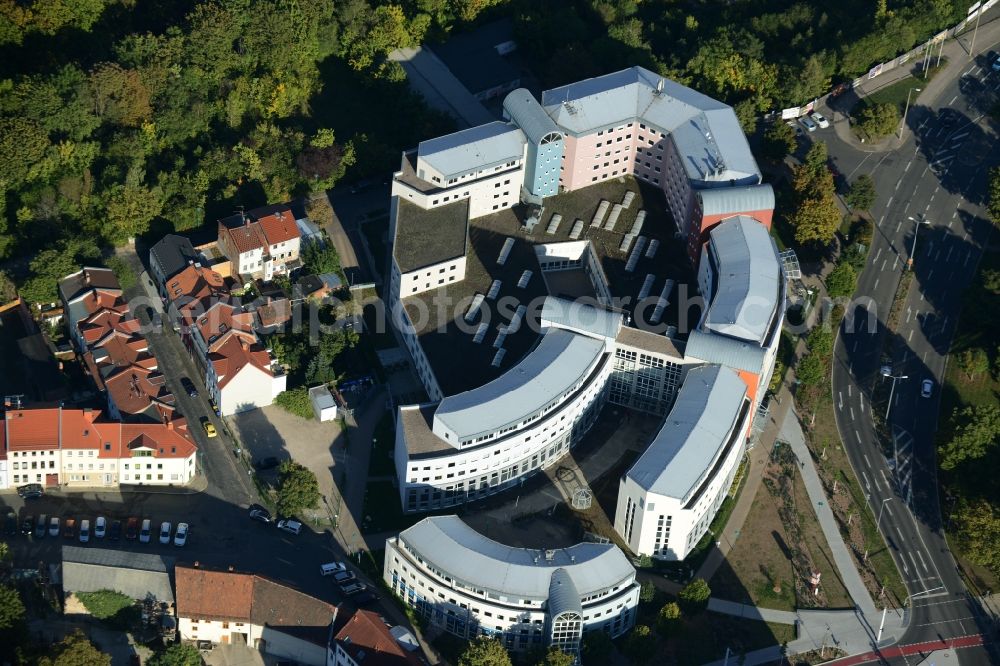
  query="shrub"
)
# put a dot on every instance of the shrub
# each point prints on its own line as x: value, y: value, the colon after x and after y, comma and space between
x: 694, y: 597
x: 296, y: 401
x: 104, y: 604
x: 879, y: 120
x: 841, y: 281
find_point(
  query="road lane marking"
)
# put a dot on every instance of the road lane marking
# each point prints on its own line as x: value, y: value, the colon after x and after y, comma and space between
x: 967, y: 255
x: 896, y: 189
x: 876, y: 284
x: 950, y: 250
x: 883, y: 263
x: 857, y: 436
x: 952, y: 100
x: 848, y: 390
x: 960, y: 136
x: 895, y: 262
x: 908, y: 166
x: 921, y: 556
x: 840, y: 399
x: 861, y: 399
x: 909, y: 313
x: 867, y: 462
x: 930, y: 274
x: 925, y: 357
x: 912, y: 559
x: 868, y: 485
x: 880, y: 220
x: 899, y: 226
x: 889, y: 202
x: 878, y: 254
x: 886, y: 479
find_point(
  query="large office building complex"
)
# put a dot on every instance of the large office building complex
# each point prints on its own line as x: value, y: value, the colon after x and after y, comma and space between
x: 609, y: 244
x: 469, y: 585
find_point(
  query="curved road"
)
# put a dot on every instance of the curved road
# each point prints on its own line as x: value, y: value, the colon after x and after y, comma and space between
x: 938, y: 175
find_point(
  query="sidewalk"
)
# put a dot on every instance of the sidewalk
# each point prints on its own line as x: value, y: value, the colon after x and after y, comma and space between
x: 955, y: 51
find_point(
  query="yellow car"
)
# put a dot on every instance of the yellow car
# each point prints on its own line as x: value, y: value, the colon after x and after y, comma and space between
x: 209, y: 429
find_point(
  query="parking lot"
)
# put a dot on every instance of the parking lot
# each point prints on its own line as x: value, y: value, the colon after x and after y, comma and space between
x: 221, y: 535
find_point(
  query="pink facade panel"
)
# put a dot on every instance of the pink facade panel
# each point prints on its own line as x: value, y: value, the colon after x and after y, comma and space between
x: 594, y: 157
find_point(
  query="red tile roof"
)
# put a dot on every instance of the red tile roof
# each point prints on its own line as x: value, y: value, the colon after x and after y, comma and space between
x: 244, y: 236
x: 52, y: 428
x: 136, y: 390
x: 222, y: 318
x: 204, y: 594
x: 368, y: 641
x: 195, y: 283
x: 233, y: 354
x: 279, y: 227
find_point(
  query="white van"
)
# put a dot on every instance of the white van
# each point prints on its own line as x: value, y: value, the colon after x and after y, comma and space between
x: 292, y: 526
x: 331, y: 568
x: 84, y: 531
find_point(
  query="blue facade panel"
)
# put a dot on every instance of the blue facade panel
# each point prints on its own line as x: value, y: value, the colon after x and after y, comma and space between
x: 542, y: 168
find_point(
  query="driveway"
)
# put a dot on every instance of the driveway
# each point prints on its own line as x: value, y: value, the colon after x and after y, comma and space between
x: 271, y: 431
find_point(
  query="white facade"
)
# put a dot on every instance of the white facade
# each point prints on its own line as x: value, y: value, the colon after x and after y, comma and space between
x: 487, y: 191
x: 439, y: 466
x: 668, y: 499
x: 427, y: 278
x: 248, y: 389
x: 468, y: 585
x: 33, y: 466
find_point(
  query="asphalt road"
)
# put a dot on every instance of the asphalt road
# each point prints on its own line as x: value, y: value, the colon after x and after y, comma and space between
x: 938, y: 175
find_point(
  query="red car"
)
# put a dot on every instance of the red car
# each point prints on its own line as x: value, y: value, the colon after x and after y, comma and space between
x: 132, y: 529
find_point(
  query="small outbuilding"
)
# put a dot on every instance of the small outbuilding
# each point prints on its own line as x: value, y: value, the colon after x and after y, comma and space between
x: 324, y: 406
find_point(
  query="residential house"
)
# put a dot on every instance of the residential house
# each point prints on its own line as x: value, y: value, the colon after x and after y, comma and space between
x: 231, y: 607
x: 262, y: 243
x: 168, y: 257
x: 242, y: 375
x: 87, y: 291
x: 74, y: 448
x: 366, y: 640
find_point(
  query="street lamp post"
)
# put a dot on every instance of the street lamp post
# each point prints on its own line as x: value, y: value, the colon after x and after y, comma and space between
x: 886, y: 372
x: 881, y: 509
x: 977, y: 7
x: 906, y: 109
x: 916, y: 231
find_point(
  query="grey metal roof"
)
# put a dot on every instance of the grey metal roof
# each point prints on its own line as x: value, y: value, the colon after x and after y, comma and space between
x: 705, y: 131
x: 522, y: 107
x: 693, y: 434
x: 748, y: 275
x: 137, y: 575
x: 733, y: 200
x: 560, y: 360
x: 581, y: 317
x: 465, y: 555
x: 172, y: 253
x: 321, y: 397
x: 714, y: 348
x: 472, y: 149
x: 563, y: 597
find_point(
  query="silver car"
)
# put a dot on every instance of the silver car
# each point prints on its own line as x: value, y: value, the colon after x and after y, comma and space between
x: 808, y: 123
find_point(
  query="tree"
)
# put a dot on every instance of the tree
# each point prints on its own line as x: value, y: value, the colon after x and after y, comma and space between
x: 178, y: 654
x: 779, y: 141
x: 879, y: 120
x: 861, y: 195
x: 973, y: 361
x: 51, y: 265
x: 694, y: 596
x: 297, y: 488
x: 485, y: 652
x: 8, y: 290
x: 319, y: 258
x: 820, y: 341
x: 978, y: 531
x: 11, y: 607
x: 647, y: 592
x: 811, y: 370
x: 993, y: 195
x: 975, y: 430
x: 556, y: 657
x: 669, y: 619
x: 75, y: 650
x: 640, y: 645
x: 841, y: 281
x: 816, y: 219
x: 990, y: 278
x: 104, y: 604
x: 130, y: 208
x: 597, y: 647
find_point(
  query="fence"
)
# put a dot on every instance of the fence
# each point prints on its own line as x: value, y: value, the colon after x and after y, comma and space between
x: 975, y: 12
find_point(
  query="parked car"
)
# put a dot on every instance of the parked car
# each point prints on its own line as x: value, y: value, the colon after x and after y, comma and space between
x: 292, y: 526
x: 115, y: 532
x: 795, y: 126
x: 267, y: 463
x: 209, y: 428
x: 30, y: 491
x: 995, y: 65
x: 100, y: 527
x: 165, y: 532
x: 181, y: 535
x: 54, y: 526
x: 926, y: 388
x: 344, y: 577
x: 332, y: 568
x: 352, y: 588
x: 69, y: 529
x: 132, y: 529
x: 364, y: 598
x: 145, y: 532
x: 42, y: 526
x: 808, y: 123
x: 10, y: 524
x: 257, y: 512
x: 189, y: 387
x: 84, y: 531
x: 820, y: 119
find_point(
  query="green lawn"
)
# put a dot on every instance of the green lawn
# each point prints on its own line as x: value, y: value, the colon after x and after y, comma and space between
x: 896, y: 93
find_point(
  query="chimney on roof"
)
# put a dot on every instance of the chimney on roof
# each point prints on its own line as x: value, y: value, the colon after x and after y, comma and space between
x: 86, y: 276
x: 231, y: 568
x: 196, y: 564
